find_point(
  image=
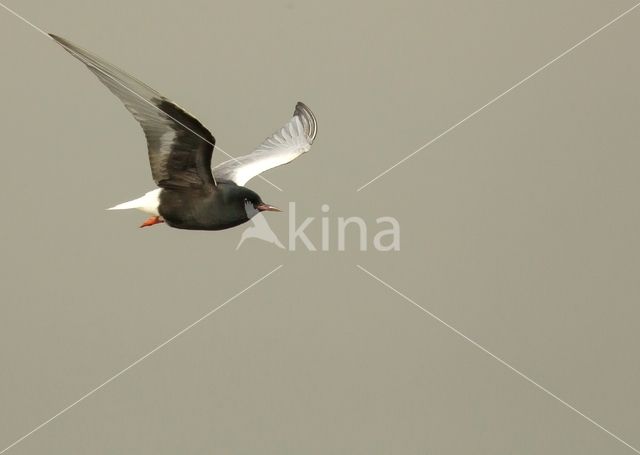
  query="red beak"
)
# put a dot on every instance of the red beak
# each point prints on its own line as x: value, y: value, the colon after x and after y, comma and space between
x: 267, y: 208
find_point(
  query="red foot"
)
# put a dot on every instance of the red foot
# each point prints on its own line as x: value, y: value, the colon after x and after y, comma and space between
x: 151, y: 221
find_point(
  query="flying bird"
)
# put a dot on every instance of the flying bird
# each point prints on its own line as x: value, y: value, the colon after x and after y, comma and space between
x: 192, y: 195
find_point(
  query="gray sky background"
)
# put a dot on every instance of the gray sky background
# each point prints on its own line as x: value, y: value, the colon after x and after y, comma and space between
x: 519, y: 228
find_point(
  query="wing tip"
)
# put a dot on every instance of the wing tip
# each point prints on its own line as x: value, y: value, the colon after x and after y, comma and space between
x: 70, y: 47
x: 60, y: 40
x: 311, y: 125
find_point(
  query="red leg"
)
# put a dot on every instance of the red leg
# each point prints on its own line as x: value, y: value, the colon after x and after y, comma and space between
x: 151, y: 221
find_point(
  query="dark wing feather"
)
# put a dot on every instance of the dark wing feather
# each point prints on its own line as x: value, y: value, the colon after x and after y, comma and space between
x: 180, y: 147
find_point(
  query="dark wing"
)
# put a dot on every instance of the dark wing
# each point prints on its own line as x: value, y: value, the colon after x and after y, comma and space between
x: 283, y: 146
x: 180, y: 147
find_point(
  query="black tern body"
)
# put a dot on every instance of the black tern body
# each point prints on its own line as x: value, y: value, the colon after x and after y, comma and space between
x: 192, y: 195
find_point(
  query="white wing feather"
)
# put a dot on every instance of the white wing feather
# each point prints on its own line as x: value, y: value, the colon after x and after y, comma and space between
x: 285, y: 145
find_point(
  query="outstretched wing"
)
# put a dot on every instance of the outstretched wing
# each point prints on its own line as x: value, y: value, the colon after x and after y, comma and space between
x: 180, y: 147
x: 286, y: 144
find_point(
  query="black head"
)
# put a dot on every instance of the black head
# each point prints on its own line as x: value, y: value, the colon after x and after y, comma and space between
x: 247, y: 200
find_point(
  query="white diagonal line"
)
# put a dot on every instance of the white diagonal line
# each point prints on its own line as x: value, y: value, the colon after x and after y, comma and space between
x: 121, y: 372
x: 136, y: 94
x: 25, y: 20
x: 503, y: 362
x: 543, y: 67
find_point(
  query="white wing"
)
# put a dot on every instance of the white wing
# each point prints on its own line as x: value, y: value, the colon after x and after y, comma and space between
x: 286, y: 144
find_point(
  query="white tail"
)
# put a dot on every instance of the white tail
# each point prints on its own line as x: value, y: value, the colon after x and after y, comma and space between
x: 147, y: 203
